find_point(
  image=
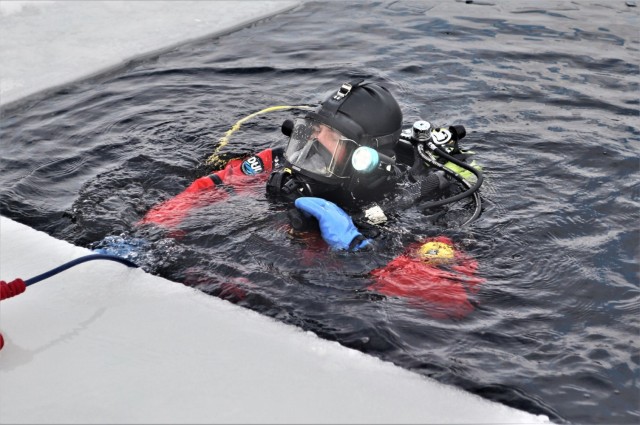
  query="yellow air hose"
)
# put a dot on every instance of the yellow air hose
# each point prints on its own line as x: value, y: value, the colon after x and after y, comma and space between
x: 215, y: 160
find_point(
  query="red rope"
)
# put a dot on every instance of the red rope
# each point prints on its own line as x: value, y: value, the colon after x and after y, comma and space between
x: 8, y: 290
x: 11, y: 289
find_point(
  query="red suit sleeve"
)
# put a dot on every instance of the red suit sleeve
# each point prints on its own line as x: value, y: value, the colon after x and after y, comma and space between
x: 441, y: 290
x: 238, y: 175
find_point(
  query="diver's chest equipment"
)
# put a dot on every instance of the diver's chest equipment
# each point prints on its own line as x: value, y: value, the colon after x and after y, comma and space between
x: 436, y: 146
x: 423, y: 133
x: 431, y: 148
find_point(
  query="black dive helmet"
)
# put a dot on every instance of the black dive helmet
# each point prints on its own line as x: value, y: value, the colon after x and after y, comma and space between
x: 322, y: 144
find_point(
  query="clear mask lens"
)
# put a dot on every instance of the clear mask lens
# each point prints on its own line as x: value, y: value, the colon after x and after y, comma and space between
x: 319, y: 149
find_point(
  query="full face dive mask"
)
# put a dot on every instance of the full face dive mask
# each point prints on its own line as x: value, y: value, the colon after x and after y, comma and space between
x: 347, y: 140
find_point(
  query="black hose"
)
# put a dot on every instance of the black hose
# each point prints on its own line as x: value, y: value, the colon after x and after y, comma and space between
x: 476, y: 195
x: 462, y: 195
x: 478, y: 210
x: 75, y: 262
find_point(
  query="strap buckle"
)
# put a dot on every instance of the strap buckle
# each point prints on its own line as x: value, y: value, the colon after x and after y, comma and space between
x: 345, y: 89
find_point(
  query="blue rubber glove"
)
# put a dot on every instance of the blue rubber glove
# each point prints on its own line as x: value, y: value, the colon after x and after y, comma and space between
x: 124, y: 247
x: 336, y: 227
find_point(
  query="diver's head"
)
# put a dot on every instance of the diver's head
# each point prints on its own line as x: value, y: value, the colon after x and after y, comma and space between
x: 366, y: 113
x: 322, y: 144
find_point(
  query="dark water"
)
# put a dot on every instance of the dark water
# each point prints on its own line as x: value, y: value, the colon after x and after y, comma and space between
x: 549, y: 96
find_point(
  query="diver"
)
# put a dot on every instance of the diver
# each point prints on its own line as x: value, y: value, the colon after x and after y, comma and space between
x: 347, y: 166
x: 350, y: 152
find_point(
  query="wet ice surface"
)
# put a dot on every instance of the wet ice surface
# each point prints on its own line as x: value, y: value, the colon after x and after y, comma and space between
x: 45, y: 44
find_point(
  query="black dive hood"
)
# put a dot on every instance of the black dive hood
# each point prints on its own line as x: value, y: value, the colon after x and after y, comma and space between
x: 368, y: 115
x: 364, y: 112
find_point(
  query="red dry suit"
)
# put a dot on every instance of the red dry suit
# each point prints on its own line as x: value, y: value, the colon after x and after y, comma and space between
x: 239, y: 175
x: 442, y: 289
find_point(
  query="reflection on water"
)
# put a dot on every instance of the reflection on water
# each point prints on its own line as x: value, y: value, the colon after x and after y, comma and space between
x: 548, y: 94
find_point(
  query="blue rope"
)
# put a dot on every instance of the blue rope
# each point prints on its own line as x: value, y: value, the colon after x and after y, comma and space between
x: 75, y: 262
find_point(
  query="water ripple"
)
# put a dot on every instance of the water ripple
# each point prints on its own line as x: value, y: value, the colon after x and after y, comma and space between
x: 548, y: 94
